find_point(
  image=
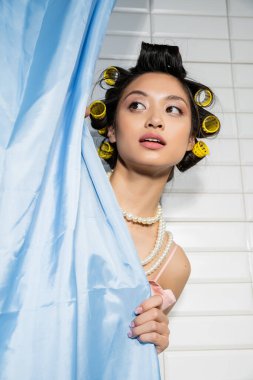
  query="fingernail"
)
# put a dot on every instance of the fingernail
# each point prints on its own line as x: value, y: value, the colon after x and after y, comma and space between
x: 138, y: 310
x: 132, y: 324
x: 129, y: 334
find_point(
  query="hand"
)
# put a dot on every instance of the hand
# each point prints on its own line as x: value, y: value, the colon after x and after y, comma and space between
x: 151, y: 324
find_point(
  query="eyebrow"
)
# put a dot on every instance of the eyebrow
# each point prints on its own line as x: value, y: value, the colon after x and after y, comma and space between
x: 169, y: 97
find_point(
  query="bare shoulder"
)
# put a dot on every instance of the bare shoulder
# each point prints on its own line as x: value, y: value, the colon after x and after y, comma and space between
x: 176, y: 274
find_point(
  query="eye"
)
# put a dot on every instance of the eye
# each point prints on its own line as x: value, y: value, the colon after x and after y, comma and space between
x: 137, y: 106
x: 174, y: 110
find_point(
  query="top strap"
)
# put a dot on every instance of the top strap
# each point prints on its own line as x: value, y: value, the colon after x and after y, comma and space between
x: 173, y: 251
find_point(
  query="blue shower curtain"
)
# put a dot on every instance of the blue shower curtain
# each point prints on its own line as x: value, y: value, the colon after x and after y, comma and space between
x: 70, y: 277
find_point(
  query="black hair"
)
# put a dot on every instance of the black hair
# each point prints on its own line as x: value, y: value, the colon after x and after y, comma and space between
x: 165, y: 59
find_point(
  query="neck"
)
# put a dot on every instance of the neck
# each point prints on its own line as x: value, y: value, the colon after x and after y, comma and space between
x: 138, y: 193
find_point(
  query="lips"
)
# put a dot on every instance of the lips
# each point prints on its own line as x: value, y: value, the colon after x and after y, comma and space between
x: 153, y: 136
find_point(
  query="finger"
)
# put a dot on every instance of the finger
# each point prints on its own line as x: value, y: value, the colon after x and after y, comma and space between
x: 149, y: 327
x: 159, y: 341
x: 154, y: 314
x: 153, y: 301
x: 87, y: 112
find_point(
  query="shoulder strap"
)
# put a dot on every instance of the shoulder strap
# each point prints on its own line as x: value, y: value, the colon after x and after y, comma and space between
x: 170, y: 256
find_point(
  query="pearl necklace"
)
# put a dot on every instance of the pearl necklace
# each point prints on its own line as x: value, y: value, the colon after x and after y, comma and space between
x: 163, y: 256
x: 143, y: 220
x: 158, y: 243
x: 159, y: 240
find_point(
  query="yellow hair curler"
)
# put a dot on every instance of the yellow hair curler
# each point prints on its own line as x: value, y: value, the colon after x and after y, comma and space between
x: 102, y: 131
x: 200, y: 149
x: 105, y: 150
x: 203, y: 97
x: 111, y: 74
x: 211, y: 124
x: 97, y: 110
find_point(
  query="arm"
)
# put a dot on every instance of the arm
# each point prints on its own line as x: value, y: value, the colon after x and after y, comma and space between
x: 151, y: 324
x: 176, y: 275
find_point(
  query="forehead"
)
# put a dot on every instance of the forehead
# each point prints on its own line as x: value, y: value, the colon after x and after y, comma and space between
x: 157, y: 83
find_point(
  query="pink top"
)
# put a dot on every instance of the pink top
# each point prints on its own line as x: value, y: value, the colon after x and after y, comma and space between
x: 166, y: 294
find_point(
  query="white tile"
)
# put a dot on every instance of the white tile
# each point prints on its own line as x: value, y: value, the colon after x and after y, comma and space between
x: 199, y: 50
x: 247, y: 175
x: 189, y: 26
x: 249, y: 206
x: 251, y: 264
x: 245, y: 125
x: 243, y: 97
x: 250, y: 244
x: 209, y: 365
x: 132, y: 5
x: 214, y: 332
x: 222, y: 152
x: 243, y: 75
x: 122, y: 47
x: 240, y: 8
x: 104, y: 63
x: 219, y: 267
x: 194, y: 7
x: 228, y: 125
x: 129, y: 23
x: 224, y: 101
x: 219, y: 74
x: 203, y: 207
x: 210, y: 236
x: 241, y: 28
x: 246, y: 148
x: 207, y: 179
x: 215, y: 299
x: 242, y: 51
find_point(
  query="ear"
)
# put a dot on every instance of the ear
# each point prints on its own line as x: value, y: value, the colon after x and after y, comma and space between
x: 111, y: 134
x: 191, y: 143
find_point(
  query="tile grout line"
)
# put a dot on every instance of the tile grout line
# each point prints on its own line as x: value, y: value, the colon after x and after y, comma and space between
x: 239, y: 150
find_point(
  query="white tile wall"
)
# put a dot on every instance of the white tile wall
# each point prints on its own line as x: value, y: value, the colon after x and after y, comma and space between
x: 129, y: 23
x: 249, y: 207
x: 215, y: 299
x: 228, y: 122
x: 214, y: 332
x: 203, y: 207
x: 199, y: 50
x: 240, y: 8
x: 241, y: 28
x: 219, y: 267
x: 222, y: 152
x: 245, y: 122
x: 122, y: 47
x: 229, y: 364
x: 242, y: 51
x: 243, y: 75
x: 132, y: 5
x: 210, y: 236
x: 191, y: 7
x: 207, y: 179
x: 243, y: 97
x: 189, y: 26
x: 219, y: 74
x: 247, y: 175
x: 246, y: 147
x: 209, y: 208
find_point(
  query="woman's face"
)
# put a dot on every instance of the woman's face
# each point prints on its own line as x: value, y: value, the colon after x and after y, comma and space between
x: 153, y: 122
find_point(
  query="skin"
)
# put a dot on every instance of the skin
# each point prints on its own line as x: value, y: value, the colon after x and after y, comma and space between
x: 157, y: 103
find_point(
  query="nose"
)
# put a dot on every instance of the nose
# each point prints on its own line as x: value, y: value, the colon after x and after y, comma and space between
x: 154, y: 121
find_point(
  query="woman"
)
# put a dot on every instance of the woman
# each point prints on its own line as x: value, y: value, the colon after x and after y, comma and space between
x: 151, y: 117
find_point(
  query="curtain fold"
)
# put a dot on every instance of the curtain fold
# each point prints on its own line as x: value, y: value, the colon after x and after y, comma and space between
x: 70, y: 277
